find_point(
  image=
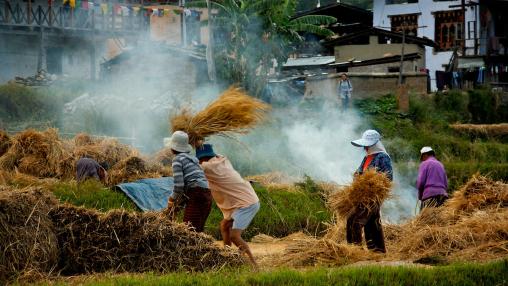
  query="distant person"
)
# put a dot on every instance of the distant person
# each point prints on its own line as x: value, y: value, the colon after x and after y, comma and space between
x: 190, y: 184
x: 87, y: 168
x: 432, y: 181
x: 370, y: 219
x: 234, y: 196
x: 345, y: 90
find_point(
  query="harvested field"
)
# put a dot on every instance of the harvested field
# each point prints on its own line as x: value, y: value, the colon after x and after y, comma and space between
x: 233, y: 112
x: 40, y: 235
x: 471, y: 226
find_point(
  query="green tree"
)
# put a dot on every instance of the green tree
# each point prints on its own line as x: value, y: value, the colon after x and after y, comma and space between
x: 253, y: 35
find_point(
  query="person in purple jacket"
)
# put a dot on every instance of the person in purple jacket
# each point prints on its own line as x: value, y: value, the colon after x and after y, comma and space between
x: 432, y: 182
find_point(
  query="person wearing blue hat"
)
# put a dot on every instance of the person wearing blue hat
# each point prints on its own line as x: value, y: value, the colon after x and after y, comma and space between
x: 234, y: 196
x: 370, y: 219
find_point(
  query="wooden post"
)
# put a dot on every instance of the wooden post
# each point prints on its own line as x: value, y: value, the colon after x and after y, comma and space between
x: 28, y: 12
x: 93, y: 67
x: 41, y: 58
x: 402, y: 95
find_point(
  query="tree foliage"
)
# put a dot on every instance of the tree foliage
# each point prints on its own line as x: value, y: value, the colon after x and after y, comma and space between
x: 253, y: 36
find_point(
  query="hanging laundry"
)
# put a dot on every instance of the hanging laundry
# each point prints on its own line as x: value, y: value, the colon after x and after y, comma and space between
x: 136, y: 10
x: 85, y: 5
x: 72, y: 3
x: 118, y: 9
x: 125, y: 11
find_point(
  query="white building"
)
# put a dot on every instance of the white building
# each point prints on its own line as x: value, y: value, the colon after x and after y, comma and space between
x: 438, y: 20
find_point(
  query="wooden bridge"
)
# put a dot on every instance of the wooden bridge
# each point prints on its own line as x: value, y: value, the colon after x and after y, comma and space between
x: 20, y: 17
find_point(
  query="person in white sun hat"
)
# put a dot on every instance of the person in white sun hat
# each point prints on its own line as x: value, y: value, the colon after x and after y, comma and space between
x: 190, y: 184
x: 370, y: 219
x: 432, y: 181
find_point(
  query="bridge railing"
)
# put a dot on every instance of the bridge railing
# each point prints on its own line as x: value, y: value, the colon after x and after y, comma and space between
x: 119, y: 18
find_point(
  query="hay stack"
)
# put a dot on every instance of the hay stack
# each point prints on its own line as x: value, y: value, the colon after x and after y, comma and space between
x: 121, y: 241
x: 163, y: 157
x: 367, y: 191
x: 5, y: 142
x: 233, y: 112
x: 83, y: 139
x: 27, y: 239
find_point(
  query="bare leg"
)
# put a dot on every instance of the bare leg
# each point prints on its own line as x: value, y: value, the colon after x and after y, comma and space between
x: 236, y: 237
x: 225, y: 231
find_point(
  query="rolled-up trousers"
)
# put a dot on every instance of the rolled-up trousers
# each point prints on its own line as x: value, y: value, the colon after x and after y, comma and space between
x: 370, y: 221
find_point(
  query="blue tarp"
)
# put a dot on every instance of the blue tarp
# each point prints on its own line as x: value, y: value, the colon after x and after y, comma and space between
x: 149, y: 194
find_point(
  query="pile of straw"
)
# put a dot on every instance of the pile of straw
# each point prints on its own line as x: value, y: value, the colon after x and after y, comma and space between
x: 482, y: 130
x: 90, y: 241
x: 134, y: 168
x: 27, y: 239
x: 163, y: 157
x: 479, y: 193
x: 368, y: 190
x: 40, y: 235
x: 34, y: 153
x: 5, y: 142
x: 233, y: 112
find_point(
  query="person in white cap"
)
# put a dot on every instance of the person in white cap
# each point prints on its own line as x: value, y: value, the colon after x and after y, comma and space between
x: 190, y: 184
x: 370, y: 219
x: 432, y: 182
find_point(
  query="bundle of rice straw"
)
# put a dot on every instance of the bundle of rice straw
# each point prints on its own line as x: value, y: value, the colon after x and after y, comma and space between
x: 90, y: 241
x: 163, y: 157
x: 27, y: 238
x: 367, y: 191
x: 83, y: 139
x: 5, y: 142
x: 233, y: 112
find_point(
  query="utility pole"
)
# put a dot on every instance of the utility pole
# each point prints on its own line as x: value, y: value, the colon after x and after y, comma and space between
x: 184, y: 24
x: 401, y: 67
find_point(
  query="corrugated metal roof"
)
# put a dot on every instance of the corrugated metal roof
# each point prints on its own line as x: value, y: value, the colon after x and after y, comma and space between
x: 467, y: 63
x: 312, y: 61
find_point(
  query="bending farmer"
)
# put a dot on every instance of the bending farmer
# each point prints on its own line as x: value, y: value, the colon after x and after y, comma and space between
x: 234, y: 196
x: 88, y: 168
x: 432, y: 182
x: 191, y: 186
x: 370, y: 219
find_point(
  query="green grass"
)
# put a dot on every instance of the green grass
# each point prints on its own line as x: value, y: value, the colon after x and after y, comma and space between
x: 282, y: 212
x: 91, y: 194
x: 495, y: 273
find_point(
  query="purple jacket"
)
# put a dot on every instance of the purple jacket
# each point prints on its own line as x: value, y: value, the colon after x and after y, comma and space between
x: 432, y: 180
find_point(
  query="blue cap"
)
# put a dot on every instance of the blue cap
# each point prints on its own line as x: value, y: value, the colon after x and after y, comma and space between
x: 205, y: 150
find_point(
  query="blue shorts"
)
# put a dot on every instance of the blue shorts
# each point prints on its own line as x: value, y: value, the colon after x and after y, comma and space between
x: 242, y: 217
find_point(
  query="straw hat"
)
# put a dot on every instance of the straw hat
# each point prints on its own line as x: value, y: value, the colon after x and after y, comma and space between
x: 180, y: 142
x: 369, y: 138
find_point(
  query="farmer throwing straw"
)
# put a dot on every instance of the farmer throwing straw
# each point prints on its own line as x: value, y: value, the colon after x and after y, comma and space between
x: 369, y: 219
x: 191, y: 186
x: 234, y: 196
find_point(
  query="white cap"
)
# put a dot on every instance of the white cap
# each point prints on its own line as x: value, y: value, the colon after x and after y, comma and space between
x: 180, y: 142
x: 369, y: 138
x: 426, y: 149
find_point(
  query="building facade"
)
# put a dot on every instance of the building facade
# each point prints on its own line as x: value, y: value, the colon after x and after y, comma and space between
x: 440, y: 21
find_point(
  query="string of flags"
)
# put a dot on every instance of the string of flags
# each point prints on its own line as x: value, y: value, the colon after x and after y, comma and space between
x: 118, y: 9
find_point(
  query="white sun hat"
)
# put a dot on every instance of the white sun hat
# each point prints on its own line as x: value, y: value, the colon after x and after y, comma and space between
x: 426, y: 149
x: 369, y: 138
x: 180, y: 142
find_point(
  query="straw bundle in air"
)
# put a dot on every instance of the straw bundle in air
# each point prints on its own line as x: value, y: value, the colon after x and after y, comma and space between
x: 233, y: 112
x: 368, y: 190
x: 482, y: 130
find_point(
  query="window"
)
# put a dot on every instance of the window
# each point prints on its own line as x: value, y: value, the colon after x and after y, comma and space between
x: 449, y: 29
x: 407, y: 23
x: 390, y: 2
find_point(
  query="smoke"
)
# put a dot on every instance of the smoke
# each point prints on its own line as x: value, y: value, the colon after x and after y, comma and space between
x: 314, y: 141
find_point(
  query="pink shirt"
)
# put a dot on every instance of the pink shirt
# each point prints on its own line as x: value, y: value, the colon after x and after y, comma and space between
x: 229, y: 190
